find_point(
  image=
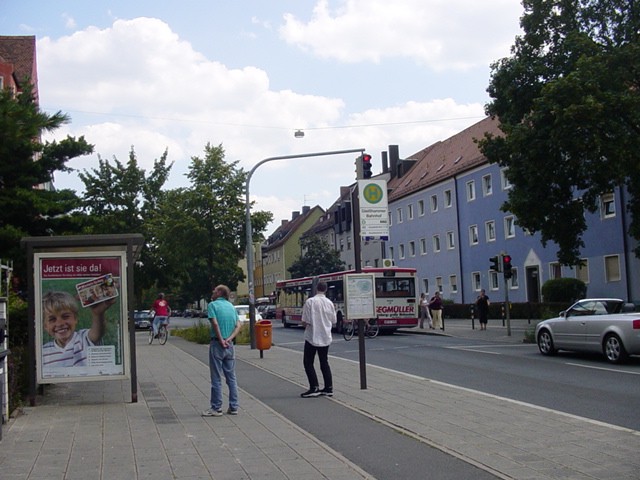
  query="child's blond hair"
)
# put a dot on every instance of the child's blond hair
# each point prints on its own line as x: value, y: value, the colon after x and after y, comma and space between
x: 57, y: 301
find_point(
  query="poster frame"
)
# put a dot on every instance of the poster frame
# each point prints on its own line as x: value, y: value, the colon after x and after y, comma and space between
x: 122, y: 327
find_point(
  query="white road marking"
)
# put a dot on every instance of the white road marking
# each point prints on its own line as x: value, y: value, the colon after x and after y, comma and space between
x: 603, y: 368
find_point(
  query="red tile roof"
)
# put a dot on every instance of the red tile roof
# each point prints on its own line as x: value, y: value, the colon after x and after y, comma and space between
x: 444, y: 159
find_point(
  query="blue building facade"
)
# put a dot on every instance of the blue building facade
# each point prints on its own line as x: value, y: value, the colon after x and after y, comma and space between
x: 446, y: 221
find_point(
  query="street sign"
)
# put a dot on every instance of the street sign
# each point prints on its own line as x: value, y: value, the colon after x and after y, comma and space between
x: 359, y: 295
x: 374, y: 210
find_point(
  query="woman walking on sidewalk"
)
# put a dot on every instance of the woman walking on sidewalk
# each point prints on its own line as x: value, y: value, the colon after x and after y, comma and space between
x: 424, y: 311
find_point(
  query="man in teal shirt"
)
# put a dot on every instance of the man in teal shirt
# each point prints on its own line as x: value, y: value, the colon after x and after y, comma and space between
x: 225, y: 325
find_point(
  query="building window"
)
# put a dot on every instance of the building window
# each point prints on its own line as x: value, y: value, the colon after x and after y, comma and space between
x: 487, y: 188
x: 453, y: 283
x: 342, y: 244
x: 348, y: 243
x: 412, y: 248
x: 513, y: 281
x: 399, y: 213
x: 401, y: 250
x: 555, y: 270
x: 451, y: 242
x: 423, y: 246
x: 448, y: 199
x: 421, y: 208
x: 473, y: 234
x: 607, y: 206
x: 506, y: 184
x: 509, y: 227
x: 434, y: 203
x: 410, y: 211
x: 476, y: 281
x: 439, y: 284
x: 612, y: 268
x: 390, y: 218
x: 425, y: 285
x: 436, y: 243
x: 582, y: 270
x: 391, y: 252
x: 471, y: 191
x: 493, y: 280
x: 490, y: 230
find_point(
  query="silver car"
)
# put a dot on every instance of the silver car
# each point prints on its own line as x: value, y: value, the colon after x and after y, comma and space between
x: 593, y: 325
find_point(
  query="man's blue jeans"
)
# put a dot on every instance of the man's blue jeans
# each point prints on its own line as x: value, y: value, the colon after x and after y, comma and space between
x: 157, y: 321
x: 222, y: 361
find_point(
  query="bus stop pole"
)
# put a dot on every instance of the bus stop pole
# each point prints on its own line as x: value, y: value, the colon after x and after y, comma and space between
x: 357, y: 252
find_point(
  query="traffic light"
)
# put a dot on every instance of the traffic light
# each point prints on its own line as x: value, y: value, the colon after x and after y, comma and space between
x: 366, y: 166
x: 495, y: 263
x: 506, y: 266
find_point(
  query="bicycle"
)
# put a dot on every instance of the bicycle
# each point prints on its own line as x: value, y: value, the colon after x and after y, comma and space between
x: 371, y: 329
x: 163, y: 333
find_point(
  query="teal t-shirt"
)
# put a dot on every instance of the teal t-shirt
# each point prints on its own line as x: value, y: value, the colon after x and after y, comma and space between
x: 225, y: 313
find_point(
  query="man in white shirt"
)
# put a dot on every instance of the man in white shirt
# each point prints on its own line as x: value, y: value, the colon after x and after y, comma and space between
x: 318, y: 316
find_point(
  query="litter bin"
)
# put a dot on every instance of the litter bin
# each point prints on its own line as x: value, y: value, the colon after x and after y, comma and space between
x: 263, y: 335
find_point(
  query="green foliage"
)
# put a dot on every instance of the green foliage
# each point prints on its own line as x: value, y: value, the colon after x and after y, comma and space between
x: 123, y: 198
x: 567, y: 101
x: 18, y: 359
x: 201, y: 228
x: 563, y: 290
x: 26, y: 163
x: 201, y: 334
x: 318, y: 257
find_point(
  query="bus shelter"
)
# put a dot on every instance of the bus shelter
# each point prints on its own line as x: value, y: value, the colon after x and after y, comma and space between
x: 80, y: 296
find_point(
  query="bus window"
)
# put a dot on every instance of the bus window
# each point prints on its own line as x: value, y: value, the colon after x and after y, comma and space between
x: 392, y: 287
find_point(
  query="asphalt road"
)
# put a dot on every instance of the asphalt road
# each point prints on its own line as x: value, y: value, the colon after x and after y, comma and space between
x: 583, y: 385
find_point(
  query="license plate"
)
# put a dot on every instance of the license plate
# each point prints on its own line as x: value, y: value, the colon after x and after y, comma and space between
x: 389, y: 322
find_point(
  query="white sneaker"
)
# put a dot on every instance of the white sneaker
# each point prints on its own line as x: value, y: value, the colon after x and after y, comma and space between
x: 210, y: 412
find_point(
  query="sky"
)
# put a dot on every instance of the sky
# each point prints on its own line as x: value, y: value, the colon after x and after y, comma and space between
x: 160, y: 75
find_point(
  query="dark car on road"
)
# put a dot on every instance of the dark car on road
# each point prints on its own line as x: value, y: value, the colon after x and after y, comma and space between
x: 269, y: 312
x: 143, y: 319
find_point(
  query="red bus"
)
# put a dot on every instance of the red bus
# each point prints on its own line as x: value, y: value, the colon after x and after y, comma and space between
x: 396, y: 303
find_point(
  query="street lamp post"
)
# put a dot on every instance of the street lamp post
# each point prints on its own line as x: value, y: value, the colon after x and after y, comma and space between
x: 249, y: 232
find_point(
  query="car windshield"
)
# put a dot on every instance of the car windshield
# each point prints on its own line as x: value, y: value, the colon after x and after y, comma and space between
x: 243, y: 310
x: 596, y: 307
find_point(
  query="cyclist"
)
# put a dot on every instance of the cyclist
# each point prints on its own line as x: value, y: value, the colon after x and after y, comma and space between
x: 163, y: 311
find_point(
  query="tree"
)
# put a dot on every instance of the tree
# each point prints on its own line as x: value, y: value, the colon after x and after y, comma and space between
x: 568, y: 104
x: 318, y: 258
x: 123, y: 198
x: 27, y: 166
x: 201, y: 228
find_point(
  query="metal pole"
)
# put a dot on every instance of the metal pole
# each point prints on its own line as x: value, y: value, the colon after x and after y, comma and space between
x: 506, y: 306
x: 249, y: 232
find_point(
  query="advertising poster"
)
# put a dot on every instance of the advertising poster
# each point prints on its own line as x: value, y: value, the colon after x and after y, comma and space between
x: 80, y: 316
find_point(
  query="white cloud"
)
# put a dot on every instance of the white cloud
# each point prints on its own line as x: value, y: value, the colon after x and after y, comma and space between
x: 69, y: 21
x: 441, y: 34
x: 138, y: 84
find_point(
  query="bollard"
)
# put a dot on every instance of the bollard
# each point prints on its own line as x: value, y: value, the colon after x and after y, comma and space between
x: 473, y: 317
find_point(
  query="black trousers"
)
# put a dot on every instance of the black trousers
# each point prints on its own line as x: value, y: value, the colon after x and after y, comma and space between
x: 309, y: 369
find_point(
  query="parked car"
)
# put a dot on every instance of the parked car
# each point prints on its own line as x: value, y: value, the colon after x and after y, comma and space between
x: 593, y: 325
x: 243, y: 313
x: 269, y: 312
x: 143, y: 318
